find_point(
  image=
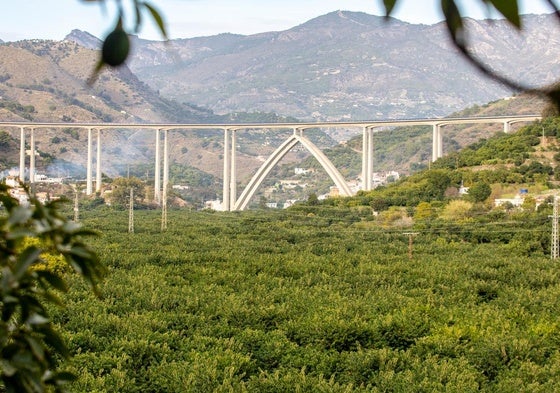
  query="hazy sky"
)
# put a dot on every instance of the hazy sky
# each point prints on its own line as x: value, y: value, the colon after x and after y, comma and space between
x: 53, y: 19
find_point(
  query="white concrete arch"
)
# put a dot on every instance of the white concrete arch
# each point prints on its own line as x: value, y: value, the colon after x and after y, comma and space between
x: 334, y: 174
x: 277, y: 155
x: 263, y: 171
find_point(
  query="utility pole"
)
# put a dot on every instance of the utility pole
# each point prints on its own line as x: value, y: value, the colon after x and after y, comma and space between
x: 76, y: 208
x: 164, y: 210
x: 410, y: 238
x: 131, y: 212
x: 554, y: 251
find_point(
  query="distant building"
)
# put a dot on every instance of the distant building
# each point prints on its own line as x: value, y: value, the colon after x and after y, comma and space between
x: 303, y: 171
x: 289, y: 203
x: 517, y: 201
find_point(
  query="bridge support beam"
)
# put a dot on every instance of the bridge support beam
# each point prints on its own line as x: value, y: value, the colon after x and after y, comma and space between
x: 226, y: 199
x: 437, y: 143
x: 157, y: 170
x: 507, y: 127
x: 165, y: 165
x: 22, y: 155
x: 98, y: 163
x: 364, y: 158
x: 367, y: 159
x: 233, y: 173
x: 229, y: 197
x: 32, y: 158
x: 89, y: 180
x: 370, y: 159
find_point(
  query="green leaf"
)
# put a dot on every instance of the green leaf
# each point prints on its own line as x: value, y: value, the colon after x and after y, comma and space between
x: 509, y: 9
x: 20, y: 215
x: 138, y: 22
x: 36, y: 348
x: 64, y: 377
x: 29, y: 256
x: 389, y: 5
x: 7, y: 368
x: 54, y: 340
x: 157, y: 18
x: 454, y: 21
x: 37, y: 319
x: 53, y: 279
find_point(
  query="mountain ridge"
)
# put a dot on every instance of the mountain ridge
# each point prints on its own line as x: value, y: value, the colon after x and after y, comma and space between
x: 347, y: 65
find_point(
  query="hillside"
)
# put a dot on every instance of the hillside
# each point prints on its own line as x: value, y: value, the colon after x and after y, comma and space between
x: 46, y: 81
x: 348, y: 65
x: 409, y: 149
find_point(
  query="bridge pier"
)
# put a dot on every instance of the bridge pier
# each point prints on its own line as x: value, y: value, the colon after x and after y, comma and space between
x: 98, y: 163
x: 370, y: 159
x: 437, y: 142
x: 89, y: 180
x: 233, y: 173
x: 157, y: 170
x: 229, y: 197
x: 507, y: 127
x: 32, y: 158
x: 364, y: 158
x: 22, y: 155
x: 165, y: 165
x: 227, y: 170
x: 367, y: 158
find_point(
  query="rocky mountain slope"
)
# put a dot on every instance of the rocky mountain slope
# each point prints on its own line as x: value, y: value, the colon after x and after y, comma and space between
x: 48, y: 80
x: 348, y: 65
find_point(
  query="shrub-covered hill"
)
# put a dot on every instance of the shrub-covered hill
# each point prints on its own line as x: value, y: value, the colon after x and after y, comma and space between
x: 527, y: 157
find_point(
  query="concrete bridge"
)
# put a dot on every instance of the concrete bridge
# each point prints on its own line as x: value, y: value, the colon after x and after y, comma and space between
x: 230, y: 199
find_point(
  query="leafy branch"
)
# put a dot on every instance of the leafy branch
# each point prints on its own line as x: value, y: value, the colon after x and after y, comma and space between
x: 510, y: 11
x: 116, y: 45
x: 29, y: 345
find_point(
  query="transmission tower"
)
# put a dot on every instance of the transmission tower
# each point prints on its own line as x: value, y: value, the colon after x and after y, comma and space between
x: 554, y: 251
x: 131, y: 212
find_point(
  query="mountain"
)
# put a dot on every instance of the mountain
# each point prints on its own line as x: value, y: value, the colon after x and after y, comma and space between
x: 49, y: 79
x: 348, y: 65
x: 83, y: 38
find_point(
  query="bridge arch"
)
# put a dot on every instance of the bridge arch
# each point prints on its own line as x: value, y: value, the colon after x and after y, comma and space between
x: 277, y: 155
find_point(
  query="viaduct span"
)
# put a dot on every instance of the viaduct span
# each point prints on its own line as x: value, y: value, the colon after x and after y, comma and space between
x: 230, y: 199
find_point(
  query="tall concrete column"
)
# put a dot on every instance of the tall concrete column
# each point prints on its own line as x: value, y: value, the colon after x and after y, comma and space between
x: 98, y: 163
x: 436, y: 140
x: 88, y: 164
x: 165, y: 165
x: 22, y: 155
x: 507, y: 127
x: 233, y: 177
x: 157, y: 171
x: 32, y: 157
x: 365, y: 136
x: 370, y: 159
x: 440, y: 142
x: 227, y: 172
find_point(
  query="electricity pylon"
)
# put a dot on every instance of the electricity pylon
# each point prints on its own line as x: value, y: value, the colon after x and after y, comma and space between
x: 131, y: 212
